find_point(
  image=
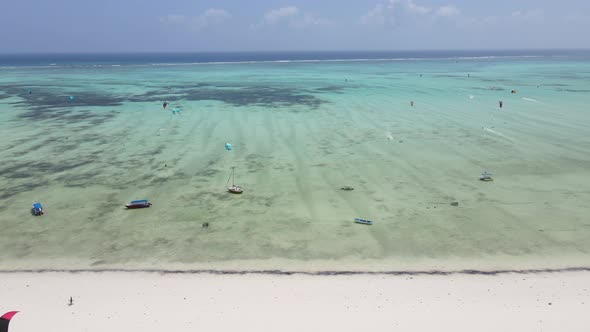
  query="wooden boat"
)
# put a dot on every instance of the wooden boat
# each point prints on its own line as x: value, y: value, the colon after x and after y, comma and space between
x: 37, y: 209
x: 138, y: 204
x: 363, y: 221
x: 234, y: 189
x: 486, y: 176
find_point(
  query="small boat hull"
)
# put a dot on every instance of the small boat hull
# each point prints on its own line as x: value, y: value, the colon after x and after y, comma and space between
x: 486, y: 176
x: 235, y: 189
x: 363, y: 221
x: 37, y: 209
x: 139, y: 204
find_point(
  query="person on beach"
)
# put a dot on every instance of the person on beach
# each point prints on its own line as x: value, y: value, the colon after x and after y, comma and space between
x: 412, y: 103
x: 501, y: 103
x: 165, y: 104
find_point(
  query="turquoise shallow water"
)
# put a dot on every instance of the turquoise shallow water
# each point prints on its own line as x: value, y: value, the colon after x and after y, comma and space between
x: 300, y: 131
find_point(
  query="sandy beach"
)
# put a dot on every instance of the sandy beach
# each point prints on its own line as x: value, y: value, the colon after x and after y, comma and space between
x: 258, y: 302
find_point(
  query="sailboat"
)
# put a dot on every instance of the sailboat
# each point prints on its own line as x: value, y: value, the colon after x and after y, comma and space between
x: 234, y: 189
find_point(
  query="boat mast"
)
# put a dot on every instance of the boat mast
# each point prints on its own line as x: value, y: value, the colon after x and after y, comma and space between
x: 231, y: 176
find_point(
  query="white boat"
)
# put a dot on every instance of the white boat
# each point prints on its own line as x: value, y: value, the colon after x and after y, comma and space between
x: 486, y: 176
x: 234, y: 189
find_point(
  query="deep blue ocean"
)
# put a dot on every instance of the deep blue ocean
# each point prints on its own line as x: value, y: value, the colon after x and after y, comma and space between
x: 208, y: 57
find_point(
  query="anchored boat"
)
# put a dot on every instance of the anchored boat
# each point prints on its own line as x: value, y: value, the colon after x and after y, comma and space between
x: 138, y: 204
x: 234, y: 189
x: 363, y: 221
x: 37, y: 209
x: 486, y: 176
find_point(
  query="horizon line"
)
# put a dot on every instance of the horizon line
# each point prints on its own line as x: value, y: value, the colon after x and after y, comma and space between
x: 290, y: 51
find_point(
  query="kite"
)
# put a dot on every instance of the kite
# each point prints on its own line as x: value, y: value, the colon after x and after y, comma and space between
x: 5, y: 319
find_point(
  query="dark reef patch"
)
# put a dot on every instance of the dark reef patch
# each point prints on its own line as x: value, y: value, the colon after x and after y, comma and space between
x: 491, y: 88
x: 7, y: 192
x: 574, y: 90
x: 207, y: 173
x: 28, y: 169
x: 554, y: 84
x: 242, y: 95
x: 78, y: 180
x: 332, y: 89
x: 51, y: 102
x: 47, y: 99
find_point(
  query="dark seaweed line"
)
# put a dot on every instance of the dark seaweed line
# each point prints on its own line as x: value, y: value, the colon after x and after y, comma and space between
x: 315, y: 273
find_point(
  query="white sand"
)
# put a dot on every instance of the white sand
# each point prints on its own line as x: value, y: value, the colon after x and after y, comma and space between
x: 203, y: 302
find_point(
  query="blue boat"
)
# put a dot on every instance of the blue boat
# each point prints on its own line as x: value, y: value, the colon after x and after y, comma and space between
x: 363, y: 221
x: 138, y: 204
x: 37, y: 209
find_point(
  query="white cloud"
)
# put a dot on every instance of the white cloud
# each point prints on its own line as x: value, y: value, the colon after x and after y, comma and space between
x: 376, y: 15
x: 210, y: 17
x: 276, y: 15
x: 514, y: 19
x: 414, y: 8
x: 448, y: 11
x: 534, y: 14
x: 395, y: 9
x: 291, y: 16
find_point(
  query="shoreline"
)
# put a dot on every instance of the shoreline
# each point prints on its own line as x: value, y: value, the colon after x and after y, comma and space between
x: 278, y: 272
x: 155, y: 302
x: 408, y: 265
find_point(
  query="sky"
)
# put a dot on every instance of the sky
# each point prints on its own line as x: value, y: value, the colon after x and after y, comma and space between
x: 64, y: 26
